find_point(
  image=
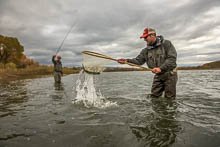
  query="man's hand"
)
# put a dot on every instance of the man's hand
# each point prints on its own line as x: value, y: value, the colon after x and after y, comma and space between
x: 156, y: 70
x: 122, y: 61
x: 54, y: 56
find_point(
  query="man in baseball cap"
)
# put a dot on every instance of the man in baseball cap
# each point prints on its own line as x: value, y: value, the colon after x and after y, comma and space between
x: 160, y: 56
x: 147, y: 32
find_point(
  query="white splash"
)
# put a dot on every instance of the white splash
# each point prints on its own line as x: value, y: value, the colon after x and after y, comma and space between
x: 87, y: 94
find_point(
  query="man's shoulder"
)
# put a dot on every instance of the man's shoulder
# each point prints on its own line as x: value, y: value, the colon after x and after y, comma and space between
x: 166, y: 42
x: 144, y: 50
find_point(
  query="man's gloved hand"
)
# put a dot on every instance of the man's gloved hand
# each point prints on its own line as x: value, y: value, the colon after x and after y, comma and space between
x: 122, y: 61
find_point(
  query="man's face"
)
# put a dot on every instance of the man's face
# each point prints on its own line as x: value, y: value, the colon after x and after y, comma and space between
x: 57, y: 59
x: 150, y: 39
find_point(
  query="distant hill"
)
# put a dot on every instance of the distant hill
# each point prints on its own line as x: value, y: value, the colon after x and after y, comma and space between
x: 211, y: 65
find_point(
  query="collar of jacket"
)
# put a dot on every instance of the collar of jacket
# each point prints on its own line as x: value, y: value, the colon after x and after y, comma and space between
x: 159, y: 41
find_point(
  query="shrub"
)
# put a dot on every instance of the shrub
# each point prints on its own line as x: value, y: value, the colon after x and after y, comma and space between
x: 2, y: 65
x: 10, y: 65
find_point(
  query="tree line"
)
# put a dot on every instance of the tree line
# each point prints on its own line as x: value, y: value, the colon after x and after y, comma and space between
x: 11, y: 53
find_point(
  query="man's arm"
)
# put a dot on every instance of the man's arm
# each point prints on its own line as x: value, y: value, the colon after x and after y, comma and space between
x: 139, y: 60
x: 53, y: 59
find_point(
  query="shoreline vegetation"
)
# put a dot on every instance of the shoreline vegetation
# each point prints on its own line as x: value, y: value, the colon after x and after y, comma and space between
x: 8, y: 74
x: 14, y: 64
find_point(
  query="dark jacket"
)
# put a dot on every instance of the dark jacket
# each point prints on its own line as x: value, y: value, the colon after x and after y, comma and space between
x: 57, y: 65
x: 162, y: 54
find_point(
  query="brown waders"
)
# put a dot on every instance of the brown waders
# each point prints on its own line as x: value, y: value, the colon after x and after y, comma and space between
x: 164, y: 82
x: 57, y: 76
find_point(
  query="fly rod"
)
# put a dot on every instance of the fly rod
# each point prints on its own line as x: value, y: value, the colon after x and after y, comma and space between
x: 65, y: 38
x: 74, y: 23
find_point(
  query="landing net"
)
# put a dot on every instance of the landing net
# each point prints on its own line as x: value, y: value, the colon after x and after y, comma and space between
x: 95, y: 64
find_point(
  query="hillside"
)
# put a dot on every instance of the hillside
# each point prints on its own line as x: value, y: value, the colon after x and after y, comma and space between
x: 14, y: 64
x: 212, y: 65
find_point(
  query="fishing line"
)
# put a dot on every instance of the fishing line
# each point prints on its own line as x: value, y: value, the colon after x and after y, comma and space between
x: 74, y: 24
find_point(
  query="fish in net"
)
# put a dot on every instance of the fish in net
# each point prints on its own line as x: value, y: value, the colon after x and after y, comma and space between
x: 94, y: 64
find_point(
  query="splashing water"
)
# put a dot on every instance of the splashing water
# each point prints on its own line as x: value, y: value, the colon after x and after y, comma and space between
x: 87, y: 94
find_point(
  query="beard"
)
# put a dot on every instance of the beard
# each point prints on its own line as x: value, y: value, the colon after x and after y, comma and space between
x: 150, y: 43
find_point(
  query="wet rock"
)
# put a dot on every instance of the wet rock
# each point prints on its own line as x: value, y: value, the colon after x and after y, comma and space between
x: 60, y: 121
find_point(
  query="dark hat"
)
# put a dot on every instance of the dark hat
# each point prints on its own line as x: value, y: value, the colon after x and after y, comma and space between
x: 58, y: 57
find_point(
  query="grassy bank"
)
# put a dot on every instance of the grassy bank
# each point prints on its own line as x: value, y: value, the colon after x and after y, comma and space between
x: 31, y: 72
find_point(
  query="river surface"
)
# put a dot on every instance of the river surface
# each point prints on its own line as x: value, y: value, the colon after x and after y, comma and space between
x: 39, y: 113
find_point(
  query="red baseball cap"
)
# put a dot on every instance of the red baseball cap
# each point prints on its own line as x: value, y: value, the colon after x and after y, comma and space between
x: 147, y: 32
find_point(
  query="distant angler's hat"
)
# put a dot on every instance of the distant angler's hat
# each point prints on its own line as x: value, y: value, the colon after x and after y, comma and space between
x: 147, y: 32
x: 58, y: 57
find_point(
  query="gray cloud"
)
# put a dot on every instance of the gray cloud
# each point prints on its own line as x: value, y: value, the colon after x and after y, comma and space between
x: 111, y: 27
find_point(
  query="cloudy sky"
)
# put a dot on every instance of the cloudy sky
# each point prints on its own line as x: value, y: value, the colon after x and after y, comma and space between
x: 112, y: 27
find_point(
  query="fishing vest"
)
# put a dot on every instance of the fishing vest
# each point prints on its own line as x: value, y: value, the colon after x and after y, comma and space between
x: 58, y: 67
x: 157, y: 56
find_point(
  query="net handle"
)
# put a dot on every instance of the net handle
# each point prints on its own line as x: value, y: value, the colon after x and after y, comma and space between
x: 110, y: 58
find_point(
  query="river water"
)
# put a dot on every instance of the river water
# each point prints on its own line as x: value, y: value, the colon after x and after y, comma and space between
x: 37, y: 112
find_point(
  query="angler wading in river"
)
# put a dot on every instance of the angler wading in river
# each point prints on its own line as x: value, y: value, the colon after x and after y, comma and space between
x: 160, y: 55
x: 56, y: 59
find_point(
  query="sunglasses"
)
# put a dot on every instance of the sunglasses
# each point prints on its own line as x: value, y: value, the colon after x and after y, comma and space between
x: 148, y: 36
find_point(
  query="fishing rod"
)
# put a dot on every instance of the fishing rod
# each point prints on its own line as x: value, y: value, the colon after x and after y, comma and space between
x: 65, y: 37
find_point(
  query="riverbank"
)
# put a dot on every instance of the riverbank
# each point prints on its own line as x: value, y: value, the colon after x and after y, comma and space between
x: 44, y: 71
x: 32, y: 72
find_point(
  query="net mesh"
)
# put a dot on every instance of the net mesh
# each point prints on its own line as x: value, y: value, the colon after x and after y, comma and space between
x: 93, y: 64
